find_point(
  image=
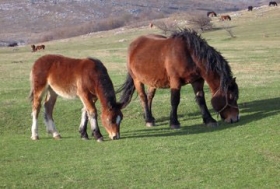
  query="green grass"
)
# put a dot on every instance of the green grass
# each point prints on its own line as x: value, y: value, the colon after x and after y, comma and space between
x: 241, y: 155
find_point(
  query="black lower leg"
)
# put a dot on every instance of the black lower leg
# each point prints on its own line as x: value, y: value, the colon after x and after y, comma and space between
x: 175, y: 100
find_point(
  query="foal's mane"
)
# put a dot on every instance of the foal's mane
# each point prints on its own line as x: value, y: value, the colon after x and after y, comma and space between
x: 210, y: 57
x: 105, y: 84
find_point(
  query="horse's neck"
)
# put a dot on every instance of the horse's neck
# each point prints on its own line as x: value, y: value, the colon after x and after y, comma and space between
x: 213, y: 82
x: 106, y: 101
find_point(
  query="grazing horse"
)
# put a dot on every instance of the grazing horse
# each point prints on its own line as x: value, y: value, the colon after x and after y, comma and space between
x: 211, y: 14
x: 54, y: 75
x: 33, y: 47
x: 37, y: 48
x: 225, y: 17
x: 171, y: 62
x: 250, y: 8
x: 40, y: 47
x: 272, y: 3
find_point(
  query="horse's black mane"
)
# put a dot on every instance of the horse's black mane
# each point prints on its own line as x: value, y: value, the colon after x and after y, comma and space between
x: 212, y: 59
x: 105, y: 83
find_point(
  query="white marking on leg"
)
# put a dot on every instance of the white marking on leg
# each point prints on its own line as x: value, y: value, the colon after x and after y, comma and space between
x: 93, y: 123
x: 34, y: 127
x: 83, y: 118
x: 51, y: 128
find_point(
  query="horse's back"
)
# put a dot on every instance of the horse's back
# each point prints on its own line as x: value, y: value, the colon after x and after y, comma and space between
x: 155, y: 60
x: 63, y: 74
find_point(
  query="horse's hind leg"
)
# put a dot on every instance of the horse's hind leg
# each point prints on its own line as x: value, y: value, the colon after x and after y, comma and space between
x: 144, y: 102
x: 150, y: 96
x: 200, y: 99
x: 83, y: 125
x: 36, y: 105
x: 49, y: 105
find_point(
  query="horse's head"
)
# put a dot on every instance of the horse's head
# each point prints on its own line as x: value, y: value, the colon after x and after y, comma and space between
x: 111, y: 120
x: 225, y: 103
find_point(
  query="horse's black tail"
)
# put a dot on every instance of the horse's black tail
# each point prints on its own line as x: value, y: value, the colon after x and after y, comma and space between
x: 127, y: 90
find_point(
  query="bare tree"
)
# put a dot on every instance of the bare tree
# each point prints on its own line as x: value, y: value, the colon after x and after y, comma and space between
x: 201, y: 22
x: 166, y: 27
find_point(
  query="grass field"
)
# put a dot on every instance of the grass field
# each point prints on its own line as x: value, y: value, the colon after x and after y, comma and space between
x: 241, y: 155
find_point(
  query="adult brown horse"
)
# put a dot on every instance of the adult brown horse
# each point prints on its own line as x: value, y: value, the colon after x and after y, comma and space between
x: 171, y: 62
x: 54, y: 75
x: 225, y: 17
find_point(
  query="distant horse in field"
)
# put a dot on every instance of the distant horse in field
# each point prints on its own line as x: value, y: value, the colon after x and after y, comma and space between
x: 55, y: 75
x: 211, y: 14
x: 272, y: 3
x: 172, y: 62
x: 40, y: 47
x: 13, y: 44
x: 37, y: 48
x: 151, y: 25
x: 250, y: 8
x: 225, y: 17
x: 33, y: 47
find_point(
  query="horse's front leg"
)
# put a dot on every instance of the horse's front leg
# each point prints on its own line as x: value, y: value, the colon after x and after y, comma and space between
x: 175, y: 100
x: 83, y: 125
x: 150, y: 96
x: 89, y: 104
x: 144, y: 102
x: 200, y: 99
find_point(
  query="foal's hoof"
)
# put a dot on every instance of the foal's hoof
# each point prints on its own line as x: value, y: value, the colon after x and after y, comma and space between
x: 57, y: 137
x: 100, y: 139
x: 150, y: 124
x: 34, y: 137
x: 212, y: 124
x: 84, y: 138
x: 175, y: 126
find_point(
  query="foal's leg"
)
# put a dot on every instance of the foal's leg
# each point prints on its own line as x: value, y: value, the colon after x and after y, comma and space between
x: 36, y: 105
x: 144, y: 102
x: 49, y: 105
x: 200, y: 99
x: 92, y: 116
x: 83, y: 125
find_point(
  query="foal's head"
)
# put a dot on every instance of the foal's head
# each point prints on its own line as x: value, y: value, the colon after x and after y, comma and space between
x: 111, y: 120
x: 225, y: 103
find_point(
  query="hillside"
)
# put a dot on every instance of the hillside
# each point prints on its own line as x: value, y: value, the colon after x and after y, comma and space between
x: 31, y: 21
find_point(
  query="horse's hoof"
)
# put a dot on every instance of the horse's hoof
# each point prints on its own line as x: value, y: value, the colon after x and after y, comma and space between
x: 212, y: 124
x: 150, y: 124
x: 34, y: 137
x: 100, y: 139
x: 85, y: 138
x: 57, y: 137
x: 175, y: 126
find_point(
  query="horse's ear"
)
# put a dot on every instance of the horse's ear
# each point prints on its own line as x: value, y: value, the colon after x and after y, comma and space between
x: 232, y: 82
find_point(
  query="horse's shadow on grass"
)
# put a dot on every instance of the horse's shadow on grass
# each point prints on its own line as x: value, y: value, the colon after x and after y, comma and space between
x: 249, y: 111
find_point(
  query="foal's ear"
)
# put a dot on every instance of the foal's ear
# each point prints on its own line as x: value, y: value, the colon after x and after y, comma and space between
x: 233, y: 81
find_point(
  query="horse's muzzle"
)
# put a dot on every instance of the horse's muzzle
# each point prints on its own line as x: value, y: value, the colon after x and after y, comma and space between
x: 232, y: 119
x: 115, y: 136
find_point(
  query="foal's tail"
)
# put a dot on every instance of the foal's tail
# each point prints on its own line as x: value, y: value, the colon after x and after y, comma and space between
x: 127, y: 90
x: 31, y: 94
